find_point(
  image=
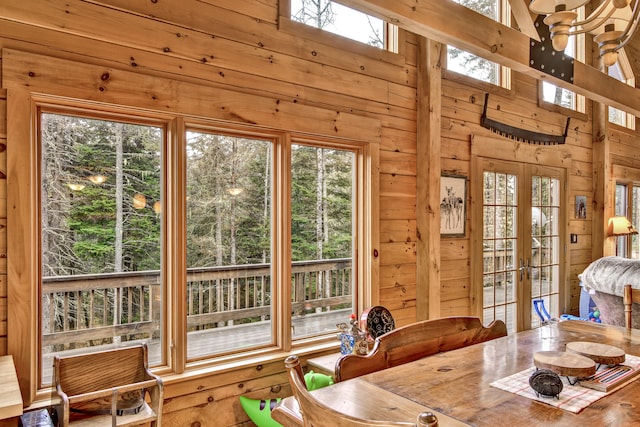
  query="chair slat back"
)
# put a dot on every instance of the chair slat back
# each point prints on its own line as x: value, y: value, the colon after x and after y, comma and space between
x: 418, y: 340
x: 316, y: 414
x: 101, y: 370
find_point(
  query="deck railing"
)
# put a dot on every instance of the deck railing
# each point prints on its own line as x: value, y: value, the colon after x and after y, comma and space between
x: 93, y: 309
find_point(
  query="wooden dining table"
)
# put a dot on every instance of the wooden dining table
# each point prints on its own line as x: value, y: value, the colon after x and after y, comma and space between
x: 10, y: 397
x: 455, y: 385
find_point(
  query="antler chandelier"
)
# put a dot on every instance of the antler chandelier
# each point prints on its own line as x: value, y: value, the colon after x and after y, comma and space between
x: 613, y: 23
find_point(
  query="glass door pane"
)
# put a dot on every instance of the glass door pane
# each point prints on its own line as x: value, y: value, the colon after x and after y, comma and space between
x: 500, y: 248
x: 522, y: 239
x: 545, y: 245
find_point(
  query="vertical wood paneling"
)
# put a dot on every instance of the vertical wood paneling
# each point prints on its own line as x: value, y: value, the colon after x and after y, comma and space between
x: 21, y: 199
x: 308, y: 82
x: 430, y: 59
x: 314, y: 81
x: 3, y: 219
x: 462, y: 107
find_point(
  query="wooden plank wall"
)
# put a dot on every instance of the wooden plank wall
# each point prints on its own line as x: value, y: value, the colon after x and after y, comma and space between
x: 462, y: 108
x: 238, y: 46
x: 3, y: 221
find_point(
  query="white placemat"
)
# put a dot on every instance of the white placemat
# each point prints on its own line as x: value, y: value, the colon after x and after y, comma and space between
x: 573, y: 398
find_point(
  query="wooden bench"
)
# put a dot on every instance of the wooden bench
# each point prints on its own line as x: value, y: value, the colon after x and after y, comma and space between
x: 416, y: 341
x: 107, y: 388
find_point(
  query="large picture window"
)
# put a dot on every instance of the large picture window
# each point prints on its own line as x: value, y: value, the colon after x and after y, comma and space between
x: 229, y: 212
x: 103, y: 205
x: 213, y: 241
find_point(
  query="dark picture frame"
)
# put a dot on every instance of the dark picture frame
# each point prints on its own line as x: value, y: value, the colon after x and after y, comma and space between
x: 581, y: 207
x: 453, y: 205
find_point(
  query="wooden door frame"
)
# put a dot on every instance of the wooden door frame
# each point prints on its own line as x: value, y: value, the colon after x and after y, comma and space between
x: 483, y: 147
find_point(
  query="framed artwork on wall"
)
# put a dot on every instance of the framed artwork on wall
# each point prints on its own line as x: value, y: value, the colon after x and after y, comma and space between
x: 453, y: 205
x: 581, y: 207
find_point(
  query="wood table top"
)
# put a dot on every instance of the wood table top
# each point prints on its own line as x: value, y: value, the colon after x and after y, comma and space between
x: 10, y: 397
x: 457, y: 383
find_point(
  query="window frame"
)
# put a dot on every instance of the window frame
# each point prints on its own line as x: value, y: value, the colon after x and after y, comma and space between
x: 391, y: 34
x: 503, y: 72
x: 44, y: 104
x: 629, y: 178
x: 23, y: 173
x: 556, y: 108
x: 627, y: 77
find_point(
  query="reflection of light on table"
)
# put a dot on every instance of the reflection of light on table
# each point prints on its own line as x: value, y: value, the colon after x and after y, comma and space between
x: 10, y: 397
x: 547, y: 338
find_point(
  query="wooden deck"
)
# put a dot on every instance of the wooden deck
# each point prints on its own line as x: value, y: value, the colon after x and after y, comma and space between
x: 211, y: 341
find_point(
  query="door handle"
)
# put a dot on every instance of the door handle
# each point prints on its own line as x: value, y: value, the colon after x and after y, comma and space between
x: 524, y: 267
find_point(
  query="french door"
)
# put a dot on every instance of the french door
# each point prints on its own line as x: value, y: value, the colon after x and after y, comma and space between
x: 521, y: 213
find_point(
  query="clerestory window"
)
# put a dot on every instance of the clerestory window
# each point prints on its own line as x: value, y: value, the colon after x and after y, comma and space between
x: 622, y: 71
x: 559, y: 96
x: 344, y: 21
x: 474, y: 66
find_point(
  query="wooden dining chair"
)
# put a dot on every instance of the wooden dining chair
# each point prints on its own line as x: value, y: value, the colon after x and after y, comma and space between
x: 317, y: 414
x: 418, y: 340
x: 630, y: 296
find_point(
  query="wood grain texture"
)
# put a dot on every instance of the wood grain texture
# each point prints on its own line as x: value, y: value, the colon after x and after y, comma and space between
x: 85, y: 383
x: 489, y: 39
x: 629, y: 298
x: 458, y: 381
x: 598, y: 352
x: 312, y: 69
x: 383, y: 405
x: 383, y: 409
x: 10, y: 397
x: 418, y: 340
x: 564, y: 363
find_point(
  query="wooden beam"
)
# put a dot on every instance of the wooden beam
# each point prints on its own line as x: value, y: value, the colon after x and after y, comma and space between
x: 524, y: 18
x: 450, y: 23
x: 428, y: 175
x: 23, y: 244
x: 602, y: 188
